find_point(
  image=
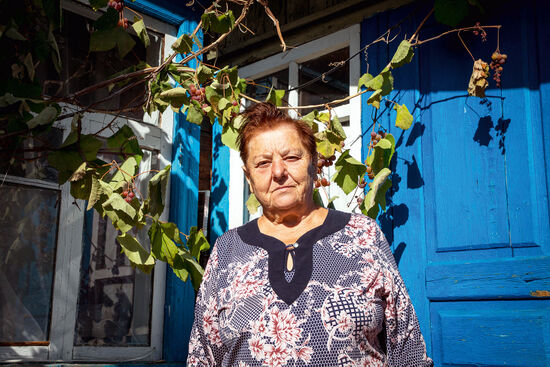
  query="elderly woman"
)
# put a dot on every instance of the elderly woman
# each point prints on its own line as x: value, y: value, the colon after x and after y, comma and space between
x: 301, y: 285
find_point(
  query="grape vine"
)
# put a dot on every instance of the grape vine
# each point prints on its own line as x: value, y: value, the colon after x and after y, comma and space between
x: 203, y: 93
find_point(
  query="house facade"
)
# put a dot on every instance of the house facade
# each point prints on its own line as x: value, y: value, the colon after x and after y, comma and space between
x: 468, y: 219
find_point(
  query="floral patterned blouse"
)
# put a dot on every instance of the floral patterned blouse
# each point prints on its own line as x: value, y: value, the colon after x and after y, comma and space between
x: 342, y: 303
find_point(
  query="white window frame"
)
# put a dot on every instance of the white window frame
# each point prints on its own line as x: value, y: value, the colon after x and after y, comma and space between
x: 153, y: 134
x: 349, y: 37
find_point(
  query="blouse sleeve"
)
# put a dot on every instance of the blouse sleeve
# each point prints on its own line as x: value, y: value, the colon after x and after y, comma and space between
x: 404, y: 342
x: 205, y: 345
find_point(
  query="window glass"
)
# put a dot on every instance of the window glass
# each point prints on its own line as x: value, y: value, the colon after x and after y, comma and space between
x: 82, y: 68
x: 114, y: 301
x: 330, y: 87
x: 28, y: 232
x: 27, y: 158
x: 260, y: 89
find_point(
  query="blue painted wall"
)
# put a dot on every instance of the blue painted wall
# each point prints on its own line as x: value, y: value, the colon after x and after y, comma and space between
x: 219, y: 196
x: 469, y: 219
x: 180, y: 297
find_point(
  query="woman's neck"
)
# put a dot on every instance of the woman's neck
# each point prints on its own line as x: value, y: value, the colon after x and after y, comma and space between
x: 290, y: 226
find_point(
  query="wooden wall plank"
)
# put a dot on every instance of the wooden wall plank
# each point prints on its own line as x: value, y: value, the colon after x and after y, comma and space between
x: 503, y: 333
x: 493, y: 279
x: 180, y: 296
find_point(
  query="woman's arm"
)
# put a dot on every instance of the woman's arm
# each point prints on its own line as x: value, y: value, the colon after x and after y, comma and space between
x: 205, y: 345
x: 404, y: 342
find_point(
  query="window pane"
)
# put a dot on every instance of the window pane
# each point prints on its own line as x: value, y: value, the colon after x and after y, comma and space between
x: 333, y: 86
x: 27, y: 158
x: 28, y: 232
x: 83, y: 68
x: 114, y: 301
x: 260, y: 89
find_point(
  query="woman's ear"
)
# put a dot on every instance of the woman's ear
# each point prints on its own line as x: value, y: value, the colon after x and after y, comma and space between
x: 247, y: 176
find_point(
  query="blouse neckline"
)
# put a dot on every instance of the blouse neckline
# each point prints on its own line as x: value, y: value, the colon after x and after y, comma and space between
x: 289, y: 291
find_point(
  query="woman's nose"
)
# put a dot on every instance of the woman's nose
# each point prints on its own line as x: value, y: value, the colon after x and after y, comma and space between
x: 278, y: 168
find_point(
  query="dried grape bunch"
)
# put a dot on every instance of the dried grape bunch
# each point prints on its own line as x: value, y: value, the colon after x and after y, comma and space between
x: 323, y: 161
x: 118, y: 5
x: 480, y: 31
x: 497, y: 62
x: 374, y: 139
x: 478, y: 81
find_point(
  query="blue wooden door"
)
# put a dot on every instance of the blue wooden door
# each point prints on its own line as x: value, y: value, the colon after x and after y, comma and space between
x: 469, y: 222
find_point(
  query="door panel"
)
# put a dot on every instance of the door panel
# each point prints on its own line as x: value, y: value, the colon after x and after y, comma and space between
x: 491, y: 333
x: 469, y: 216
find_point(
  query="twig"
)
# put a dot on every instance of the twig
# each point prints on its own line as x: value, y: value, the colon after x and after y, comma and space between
x: 466, y: 47
x: 415, y: 34
x: 275, y: 22
x: 419, y: 42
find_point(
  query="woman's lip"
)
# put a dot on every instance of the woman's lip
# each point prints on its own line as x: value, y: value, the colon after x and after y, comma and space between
x: 282, y: 187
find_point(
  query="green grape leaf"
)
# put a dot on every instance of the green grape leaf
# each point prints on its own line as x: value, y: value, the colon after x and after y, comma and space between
x: 98, y: 4
x: 65, y: 162
x: 124, y: 173
x: 194, y: 114
x: 229, y: 136
x: 141, y: 31
x: 387, y: 82
x: 404, y: 118
x: 380, y: 156
x: 125, y: 141
x: 450, y: 12
x: 310, y: 120
x: 183, y: 45
x: 95, y: 192
x: 327, y: 142
x: 117, y: 202
x: 204, y: 73
x: 375, y: 98
x: 364, y: 81
x: 177, y: 97
x: 337, y: 127
x: 163, y: 237
x: 108, y: 20
x: 403, y: 55
x: 137, y: 255
x: 376, y: 196
x: 29, y: 65
x: 107, y: 39
x: 89, y: 146
x: 223, y: 103
x: 79, y: 173
x: 196, y: 242
x: 156, y: 191
x: 185, y: 264
x: 45, y: 117
x: 348, y: 172
x: 252, y: 204
x: 317, y: 199
x: 222, y: 23
x: 275, y: 96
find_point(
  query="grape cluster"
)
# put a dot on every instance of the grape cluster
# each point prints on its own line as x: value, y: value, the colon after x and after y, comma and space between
x: 198, y: 94
x: 497, y: 62
x: 374, y: 139
x: 323, y: 161
x: 128, y: 194
x: 118, y: 5
x: 480, y: 31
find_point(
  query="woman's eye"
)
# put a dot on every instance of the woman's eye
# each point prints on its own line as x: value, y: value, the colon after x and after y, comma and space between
x: 292, y: 158
x: 263, y: 164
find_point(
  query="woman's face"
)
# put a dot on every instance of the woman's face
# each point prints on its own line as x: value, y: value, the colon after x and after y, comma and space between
x: 279, y: 169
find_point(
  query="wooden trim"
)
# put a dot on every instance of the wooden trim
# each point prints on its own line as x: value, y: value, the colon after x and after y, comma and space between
x: 306, y: 29
x: 24, y: 344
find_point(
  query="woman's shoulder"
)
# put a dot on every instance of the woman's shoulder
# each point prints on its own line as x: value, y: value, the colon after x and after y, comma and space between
x: 361, y: 221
